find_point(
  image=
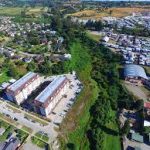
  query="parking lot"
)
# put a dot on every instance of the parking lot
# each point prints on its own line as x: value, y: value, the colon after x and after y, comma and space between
x: 56, y: 116
x: 67, y: 101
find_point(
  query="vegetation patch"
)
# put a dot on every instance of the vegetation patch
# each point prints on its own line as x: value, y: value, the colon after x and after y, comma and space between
x: 38, y: 142
x: 27, y: 129
x: 42, y: 137
x: 15, y: 110
x: 75, y: 124
x: 32, y: 118
x: 107, y: 12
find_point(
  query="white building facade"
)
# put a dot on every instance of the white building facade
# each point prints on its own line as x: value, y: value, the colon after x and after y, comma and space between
x: 52, y: 94
x: 21, y: 89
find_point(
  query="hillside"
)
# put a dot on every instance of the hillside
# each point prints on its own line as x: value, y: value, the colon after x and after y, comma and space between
x: 114, y: 12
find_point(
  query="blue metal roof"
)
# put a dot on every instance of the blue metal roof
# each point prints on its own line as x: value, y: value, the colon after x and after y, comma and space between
x: 134, y: 71
x: 22, y: 81
x: 43, y: 96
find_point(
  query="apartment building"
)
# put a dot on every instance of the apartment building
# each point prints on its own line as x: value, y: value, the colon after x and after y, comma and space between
x: 22, y: 88
x: 51, y: 95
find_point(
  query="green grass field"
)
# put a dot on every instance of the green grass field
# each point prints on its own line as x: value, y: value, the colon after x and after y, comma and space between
x: 4, y: 77
x: 14, y: 11
x: 38, y: 142
x: 43, y: 137
x: 76, y: 122
x: 8, y: 130
x: 112, y: 141
x: 94, y: 36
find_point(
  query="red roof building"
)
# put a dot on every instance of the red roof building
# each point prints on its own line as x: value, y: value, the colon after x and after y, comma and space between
x: 147, y: 105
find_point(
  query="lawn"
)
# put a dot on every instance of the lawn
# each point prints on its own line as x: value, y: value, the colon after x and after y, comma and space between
x: 43, y: 122
x: 116, y: 12
x: 111, y: 140
x: 14, y: 11
x: 10, y: 11
x: 27, y: 129
x: 42, y: 136
x: 38, y: 142
x: 4, y: 77
x: 93, y: 36
x: 21, y: 135
x: 8, y: 130
x: 11, y: 129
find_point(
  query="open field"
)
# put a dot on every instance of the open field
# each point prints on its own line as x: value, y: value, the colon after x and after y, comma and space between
x: 13, y: 11
x: 112, y: 139
x: 75, y: 123
x: 95, y: 37
x: 113, y: 12
x: 138, y: 91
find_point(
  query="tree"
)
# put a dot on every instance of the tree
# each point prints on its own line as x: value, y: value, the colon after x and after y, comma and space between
x: 13, y: 71
x: 139, y: 104
x: 31, y: 66
x: 110, y: 12
x: 70, y: 146
x: 126, y: 128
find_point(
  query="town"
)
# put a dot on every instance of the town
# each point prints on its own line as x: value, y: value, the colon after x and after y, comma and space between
x: 74, y: 75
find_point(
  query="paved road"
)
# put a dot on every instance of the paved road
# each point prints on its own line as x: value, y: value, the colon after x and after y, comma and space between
x: 21, y: 120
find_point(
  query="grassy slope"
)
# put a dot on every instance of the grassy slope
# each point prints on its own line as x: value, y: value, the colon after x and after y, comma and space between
x: 13, y: 11
x: 81, y: 118
x: 76, y: 122
x: 112, y: 142
x: 94, y: 36
x: 116, y: 12
x: 4, y: 77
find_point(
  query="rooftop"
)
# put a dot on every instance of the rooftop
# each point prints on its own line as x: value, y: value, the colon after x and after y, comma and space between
x: 147, y: 105
x: 43, y: 96
x: 22, y: 81
x: 134, y: 71
x: 137, y: 137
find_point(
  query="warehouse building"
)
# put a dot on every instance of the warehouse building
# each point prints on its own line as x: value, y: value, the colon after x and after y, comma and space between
x: 51, y: 95
x: 135, y: 74
x: 22, y: 88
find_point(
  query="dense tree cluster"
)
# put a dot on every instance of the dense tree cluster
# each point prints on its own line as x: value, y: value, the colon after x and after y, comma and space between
x: 94, y: 25
x: 105, y: 72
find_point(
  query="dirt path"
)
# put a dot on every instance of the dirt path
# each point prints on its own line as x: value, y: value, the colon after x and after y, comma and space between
x: 139, y: 92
